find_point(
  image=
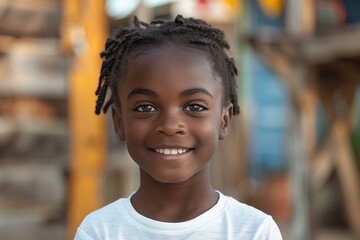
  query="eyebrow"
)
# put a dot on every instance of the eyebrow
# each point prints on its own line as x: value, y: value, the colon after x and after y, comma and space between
x: 141, y: 91
x: 187, y: 92
x: 192, y: 91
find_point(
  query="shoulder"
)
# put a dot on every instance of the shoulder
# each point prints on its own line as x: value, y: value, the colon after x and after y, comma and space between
x: 243, y: 211
x: 110, y: 211
x: 97, y: 222
x: 251, y: 220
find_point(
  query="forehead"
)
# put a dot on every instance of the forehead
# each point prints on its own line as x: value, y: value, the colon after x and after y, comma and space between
x: 170, y: 58
x: 170, y: 50
x: 171, y: 67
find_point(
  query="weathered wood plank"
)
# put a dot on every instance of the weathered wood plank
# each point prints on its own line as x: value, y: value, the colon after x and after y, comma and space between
x: 88, y: 131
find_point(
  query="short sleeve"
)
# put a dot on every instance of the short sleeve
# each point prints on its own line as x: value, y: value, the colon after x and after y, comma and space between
x: 81, y: 235
x: 269, y: 230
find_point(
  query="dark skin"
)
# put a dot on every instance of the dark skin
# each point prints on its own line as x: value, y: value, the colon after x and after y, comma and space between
x: 172, y: 115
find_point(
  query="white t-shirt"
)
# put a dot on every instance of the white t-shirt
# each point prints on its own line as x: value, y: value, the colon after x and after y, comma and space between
x: 227, y: 219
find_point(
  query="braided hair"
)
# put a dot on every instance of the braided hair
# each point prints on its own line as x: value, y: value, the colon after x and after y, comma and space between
x: 190, y: 32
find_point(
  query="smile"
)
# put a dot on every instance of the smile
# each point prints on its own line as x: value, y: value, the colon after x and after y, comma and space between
x: 171, y: 151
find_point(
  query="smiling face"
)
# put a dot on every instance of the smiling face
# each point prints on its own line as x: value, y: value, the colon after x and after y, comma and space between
x: 172, y: 112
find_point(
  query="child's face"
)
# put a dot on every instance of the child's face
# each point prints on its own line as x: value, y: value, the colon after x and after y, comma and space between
x: 171, y: 112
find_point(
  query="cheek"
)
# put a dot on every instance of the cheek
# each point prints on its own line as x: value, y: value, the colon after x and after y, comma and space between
x: 135, y: 134
x: 210, y: 130
x: 134, y: 129
x: 207, y: 136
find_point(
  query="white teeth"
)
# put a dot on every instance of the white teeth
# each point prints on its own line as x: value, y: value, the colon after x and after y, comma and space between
x: 168, y: 151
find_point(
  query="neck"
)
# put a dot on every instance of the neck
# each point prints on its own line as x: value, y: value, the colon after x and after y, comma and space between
x: 174, y: 202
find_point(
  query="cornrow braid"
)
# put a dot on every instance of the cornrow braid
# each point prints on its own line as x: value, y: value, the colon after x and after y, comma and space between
x: 190, y: 32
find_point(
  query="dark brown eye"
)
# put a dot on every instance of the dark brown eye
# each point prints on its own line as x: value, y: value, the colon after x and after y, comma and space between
x: 195, y: 108
x: 145, y: 108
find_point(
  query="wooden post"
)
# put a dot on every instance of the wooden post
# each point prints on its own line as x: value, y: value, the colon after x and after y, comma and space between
x: 300, y: 23
x: 300, y: 18
x: 348, y: 173
x: 302, y: 147
x: 84, y: 31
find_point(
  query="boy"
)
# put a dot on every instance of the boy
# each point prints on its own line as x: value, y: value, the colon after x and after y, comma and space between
x: 173, y: 94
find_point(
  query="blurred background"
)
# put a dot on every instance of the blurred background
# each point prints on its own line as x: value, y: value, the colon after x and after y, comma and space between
x: 294, y: 152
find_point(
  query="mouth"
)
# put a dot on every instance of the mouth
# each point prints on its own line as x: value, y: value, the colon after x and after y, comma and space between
x: 170, y: 151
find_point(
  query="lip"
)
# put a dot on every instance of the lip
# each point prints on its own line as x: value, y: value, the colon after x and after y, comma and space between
x: 170, y: 146
x: 170, y: 156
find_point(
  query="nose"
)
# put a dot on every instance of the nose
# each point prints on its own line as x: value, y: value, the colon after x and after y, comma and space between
x: 170, y: 124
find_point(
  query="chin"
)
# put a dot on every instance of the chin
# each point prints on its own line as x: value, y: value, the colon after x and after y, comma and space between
x: 171, y: 179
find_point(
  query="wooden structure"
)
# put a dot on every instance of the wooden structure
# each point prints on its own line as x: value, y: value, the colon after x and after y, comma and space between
x: 33, y: 125
x: 84, y: 33
x: 319, y: 70
x: 35, y: 18
x: 35, y: 92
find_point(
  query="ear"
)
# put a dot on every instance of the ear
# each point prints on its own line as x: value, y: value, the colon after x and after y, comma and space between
x: 226, y: 116
x: 118, y: 123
